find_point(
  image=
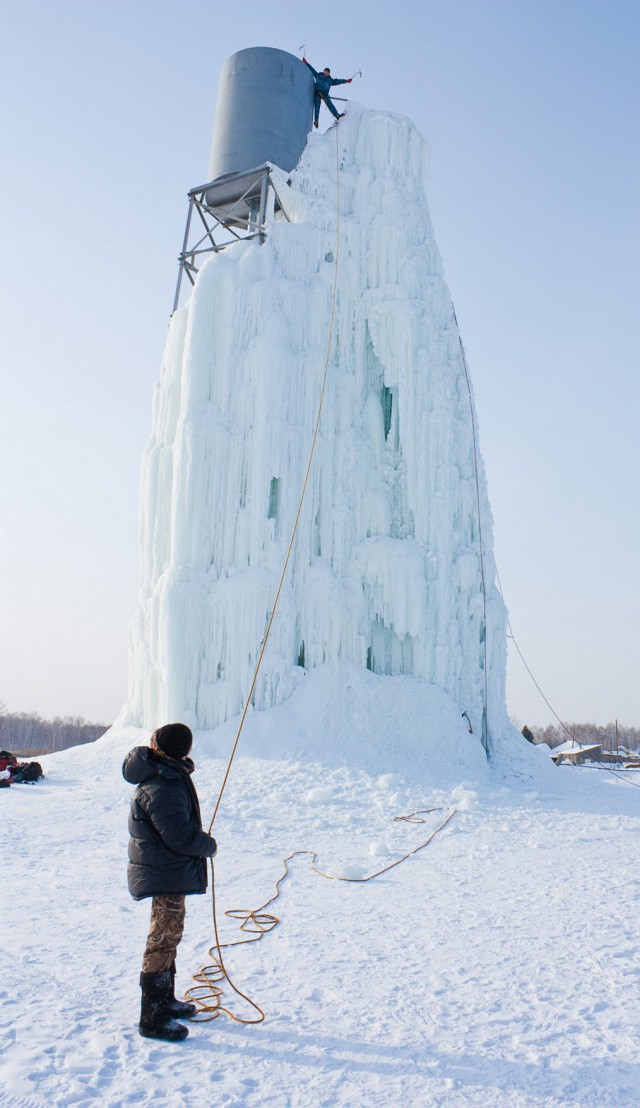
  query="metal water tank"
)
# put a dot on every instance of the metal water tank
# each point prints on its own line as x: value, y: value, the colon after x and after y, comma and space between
x: 263, y: 112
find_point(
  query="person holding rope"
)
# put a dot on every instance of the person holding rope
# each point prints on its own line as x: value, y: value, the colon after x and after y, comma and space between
x: 324, y: 81
x: 168, y: 853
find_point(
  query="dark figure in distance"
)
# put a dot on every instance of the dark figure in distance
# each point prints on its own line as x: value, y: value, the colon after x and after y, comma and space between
x: 168, y: 853
x: 324, y: 81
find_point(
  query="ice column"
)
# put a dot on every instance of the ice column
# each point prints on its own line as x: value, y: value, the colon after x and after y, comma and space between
x: 386, y: 568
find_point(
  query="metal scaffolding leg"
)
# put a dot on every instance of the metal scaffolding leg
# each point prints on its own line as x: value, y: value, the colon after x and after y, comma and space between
x: 264, y: 186
x: 182, y: 256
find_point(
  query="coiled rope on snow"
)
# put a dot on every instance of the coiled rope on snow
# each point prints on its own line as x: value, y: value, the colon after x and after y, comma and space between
x: 255, y: 923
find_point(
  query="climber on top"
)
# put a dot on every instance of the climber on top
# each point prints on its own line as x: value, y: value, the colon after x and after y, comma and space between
x: 324, y: 82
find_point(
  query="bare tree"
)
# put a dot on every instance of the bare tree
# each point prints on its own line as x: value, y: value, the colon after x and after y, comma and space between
x: 27, y: 733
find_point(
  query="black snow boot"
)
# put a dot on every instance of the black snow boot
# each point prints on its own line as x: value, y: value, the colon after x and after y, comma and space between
x: 155, y: 1022
x: 179, y: 1009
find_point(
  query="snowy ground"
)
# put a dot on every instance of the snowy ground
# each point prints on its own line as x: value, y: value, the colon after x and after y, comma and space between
x: 499, y: 966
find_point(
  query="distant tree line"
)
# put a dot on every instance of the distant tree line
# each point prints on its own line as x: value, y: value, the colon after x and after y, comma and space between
x: 28, y: 733
x: 586, y: 734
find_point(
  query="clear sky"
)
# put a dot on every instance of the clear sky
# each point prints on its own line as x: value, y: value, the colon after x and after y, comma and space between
x: 531, y: 110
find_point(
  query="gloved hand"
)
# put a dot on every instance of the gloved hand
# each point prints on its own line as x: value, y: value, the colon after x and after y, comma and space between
x: 350, y: 79
x: 304, y: 60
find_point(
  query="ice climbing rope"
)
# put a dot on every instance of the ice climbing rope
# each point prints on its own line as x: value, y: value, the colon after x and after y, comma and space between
x: 485, y: 710
x: 257, y: 922
x: 601, y: 765
x: 207, y: 991
x: 485, y: 734
x: 216, y: 974
x: 302, y: 495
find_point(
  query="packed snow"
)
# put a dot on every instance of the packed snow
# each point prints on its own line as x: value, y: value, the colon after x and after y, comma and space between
x: 386, y: 569
x: 496, y: 967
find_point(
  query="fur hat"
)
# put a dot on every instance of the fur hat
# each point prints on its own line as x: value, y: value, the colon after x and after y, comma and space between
x: 174, y: 739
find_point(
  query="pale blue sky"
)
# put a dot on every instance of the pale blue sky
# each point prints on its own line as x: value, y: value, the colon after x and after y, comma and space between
x: 531, y: 109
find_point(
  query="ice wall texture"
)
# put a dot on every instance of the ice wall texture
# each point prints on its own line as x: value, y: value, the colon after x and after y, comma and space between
x: 386, y: 568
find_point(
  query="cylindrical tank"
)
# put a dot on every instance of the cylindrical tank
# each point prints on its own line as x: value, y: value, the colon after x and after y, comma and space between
x: 263, y: 113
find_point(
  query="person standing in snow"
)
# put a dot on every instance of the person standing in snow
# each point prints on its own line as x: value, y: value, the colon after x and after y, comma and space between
x: 168, y: 853
x: 324, y: 81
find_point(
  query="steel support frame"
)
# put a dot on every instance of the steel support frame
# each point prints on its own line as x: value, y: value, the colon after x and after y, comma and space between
x: 216, y: 223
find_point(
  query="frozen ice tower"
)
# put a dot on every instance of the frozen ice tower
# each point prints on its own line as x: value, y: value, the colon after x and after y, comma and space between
x: 392, y: 567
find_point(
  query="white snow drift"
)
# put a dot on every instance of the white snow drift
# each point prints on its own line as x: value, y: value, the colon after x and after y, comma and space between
x: 497, y: 968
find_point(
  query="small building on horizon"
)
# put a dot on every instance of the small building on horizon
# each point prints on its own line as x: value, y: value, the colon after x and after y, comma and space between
x: 577, y: 755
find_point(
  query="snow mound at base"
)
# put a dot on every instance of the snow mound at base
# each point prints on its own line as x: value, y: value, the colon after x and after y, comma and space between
x: 344, y: 715
x: 393, y: 728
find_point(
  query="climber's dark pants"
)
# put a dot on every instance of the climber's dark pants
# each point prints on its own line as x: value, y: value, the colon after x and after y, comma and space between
x: 317, y: 99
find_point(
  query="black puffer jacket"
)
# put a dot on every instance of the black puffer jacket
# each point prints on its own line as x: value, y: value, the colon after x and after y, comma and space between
x: 168, y: 848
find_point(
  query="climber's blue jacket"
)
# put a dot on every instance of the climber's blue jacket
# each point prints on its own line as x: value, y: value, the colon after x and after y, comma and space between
x: 323, y: 84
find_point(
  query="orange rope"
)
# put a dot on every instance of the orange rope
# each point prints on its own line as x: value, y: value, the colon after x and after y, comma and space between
x: 392, y: 865
x: 258, y: 922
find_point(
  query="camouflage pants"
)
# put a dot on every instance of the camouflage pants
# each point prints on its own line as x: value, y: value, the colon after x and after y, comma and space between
x: 165, y: 932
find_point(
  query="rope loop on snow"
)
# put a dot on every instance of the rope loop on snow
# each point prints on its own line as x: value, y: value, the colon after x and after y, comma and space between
x: 415, y: 817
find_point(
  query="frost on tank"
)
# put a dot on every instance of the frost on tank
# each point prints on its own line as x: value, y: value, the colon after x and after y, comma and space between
x: 386, y: 569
